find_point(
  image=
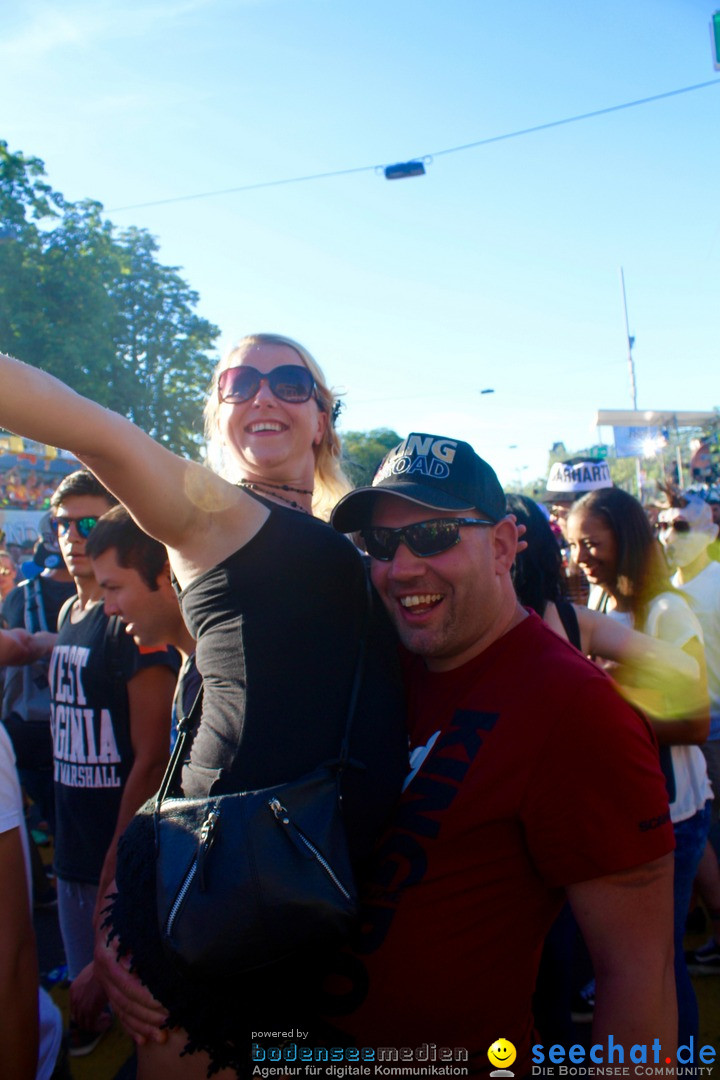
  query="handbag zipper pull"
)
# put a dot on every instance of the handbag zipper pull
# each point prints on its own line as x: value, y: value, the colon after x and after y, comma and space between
x: 304, y: 845
x: 208, y: 832
x: 291, y: 831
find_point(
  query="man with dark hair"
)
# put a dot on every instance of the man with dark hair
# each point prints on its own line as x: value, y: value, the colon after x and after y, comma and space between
x: 79, y: 483
x: 110, y: 720
x: 133, y: 573
x: 531, y: 781
x: 134, y: 549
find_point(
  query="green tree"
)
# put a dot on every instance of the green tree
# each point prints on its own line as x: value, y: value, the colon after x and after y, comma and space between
x: 24, y: 197
x: 25, y: 200
x: 163, y: 342
x: 74, y: 334
x: 364, y: 450
x: 98, y: 309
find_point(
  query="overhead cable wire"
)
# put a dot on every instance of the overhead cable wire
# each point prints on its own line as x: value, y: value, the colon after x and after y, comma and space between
x: 245, y: 187
x: 579, y: 117
x: 423, y: 157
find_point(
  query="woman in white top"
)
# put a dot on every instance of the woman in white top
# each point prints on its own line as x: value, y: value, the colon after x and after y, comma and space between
x: 612, y: 541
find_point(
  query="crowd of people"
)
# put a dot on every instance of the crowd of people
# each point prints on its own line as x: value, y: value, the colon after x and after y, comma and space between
x: 531, y: 761
x: 25, y: 490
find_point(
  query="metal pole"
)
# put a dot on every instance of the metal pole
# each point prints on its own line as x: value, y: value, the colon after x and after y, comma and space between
x: 678, y: 455
x: 630, y: 343
x: 633, y: 385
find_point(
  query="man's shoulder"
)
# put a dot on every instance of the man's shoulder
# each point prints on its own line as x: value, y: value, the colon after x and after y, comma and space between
x: 93, y: 629
x: 704, y: 588
x: 562, y: 684
x: 711, y: 573
x: 544, y: 653
x: 708, y: 574
x: 532, y: 661
x: 78, y: 625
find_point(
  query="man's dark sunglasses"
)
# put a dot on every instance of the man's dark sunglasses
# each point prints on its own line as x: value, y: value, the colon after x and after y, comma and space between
x: 84, y: 525
x: 423, y: 537
x: 291, y: 383
x: 679, y: 526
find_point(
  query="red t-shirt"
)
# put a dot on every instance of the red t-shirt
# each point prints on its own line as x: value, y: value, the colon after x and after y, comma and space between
x: 540, y: 776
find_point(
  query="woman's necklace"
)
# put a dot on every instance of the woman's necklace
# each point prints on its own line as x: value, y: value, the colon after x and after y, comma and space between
x: 267, y: 488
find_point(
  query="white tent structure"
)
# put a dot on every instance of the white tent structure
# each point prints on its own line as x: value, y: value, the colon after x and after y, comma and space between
x: 658, y: 419
x: 654, y: 418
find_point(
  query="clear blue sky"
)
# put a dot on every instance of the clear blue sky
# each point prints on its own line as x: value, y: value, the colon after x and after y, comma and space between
x: 499, y: 268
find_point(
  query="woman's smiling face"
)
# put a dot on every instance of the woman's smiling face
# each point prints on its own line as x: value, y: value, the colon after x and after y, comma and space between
x: 268, y: 437
x: 593, y: 547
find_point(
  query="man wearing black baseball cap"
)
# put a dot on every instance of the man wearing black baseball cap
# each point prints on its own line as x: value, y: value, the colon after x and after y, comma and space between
x: 517, y: 742
x: 432, y: 471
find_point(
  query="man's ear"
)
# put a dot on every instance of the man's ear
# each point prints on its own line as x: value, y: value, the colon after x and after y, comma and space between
x: 164, y: 578
x: 505, y: 536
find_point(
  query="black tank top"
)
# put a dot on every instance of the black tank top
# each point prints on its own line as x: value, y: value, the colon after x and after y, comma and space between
x: 277, y: 625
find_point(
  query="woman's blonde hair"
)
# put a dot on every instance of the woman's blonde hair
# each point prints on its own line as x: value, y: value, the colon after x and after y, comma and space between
x: 331, y: 483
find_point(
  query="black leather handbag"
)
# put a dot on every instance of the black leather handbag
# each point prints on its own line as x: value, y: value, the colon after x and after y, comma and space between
x: 247, y: 879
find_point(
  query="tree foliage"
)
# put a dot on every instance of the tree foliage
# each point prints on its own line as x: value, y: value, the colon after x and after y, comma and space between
x: 364, y: 450
x: 95, y: 307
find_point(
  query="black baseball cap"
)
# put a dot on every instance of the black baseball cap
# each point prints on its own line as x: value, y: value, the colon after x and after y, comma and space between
x: 429, y: 470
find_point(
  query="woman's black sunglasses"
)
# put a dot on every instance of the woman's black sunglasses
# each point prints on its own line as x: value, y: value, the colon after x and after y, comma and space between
x: 291, y: 383
x: 423, y: 537
x: 84, y: 525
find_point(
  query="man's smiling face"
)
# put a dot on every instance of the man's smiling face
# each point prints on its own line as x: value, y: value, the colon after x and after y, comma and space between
x: 443, y: 606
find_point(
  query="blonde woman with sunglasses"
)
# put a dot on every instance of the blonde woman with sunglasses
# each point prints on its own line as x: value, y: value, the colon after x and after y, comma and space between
x: 276, y: 600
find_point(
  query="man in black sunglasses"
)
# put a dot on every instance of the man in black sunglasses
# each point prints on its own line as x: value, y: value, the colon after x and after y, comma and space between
x: 110, y: 718
x: 532, y: 781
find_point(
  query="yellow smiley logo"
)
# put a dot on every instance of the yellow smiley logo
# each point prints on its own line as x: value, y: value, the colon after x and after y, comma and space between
x: 502, y: 1053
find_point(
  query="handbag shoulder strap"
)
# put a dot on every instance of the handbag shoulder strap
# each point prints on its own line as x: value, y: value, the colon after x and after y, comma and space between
x: 186, y: 727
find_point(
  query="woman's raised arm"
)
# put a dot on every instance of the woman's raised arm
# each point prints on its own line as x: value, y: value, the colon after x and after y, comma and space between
x: 612, y: 640
x: 668, y: 682
x: 168, y: 496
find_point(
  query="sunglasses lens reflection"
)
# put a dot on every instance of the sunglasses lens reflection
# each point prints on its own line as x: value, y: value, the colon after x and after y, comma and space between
x: 423, y: 539
x: 84, y: 525
x: 289, y: 382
